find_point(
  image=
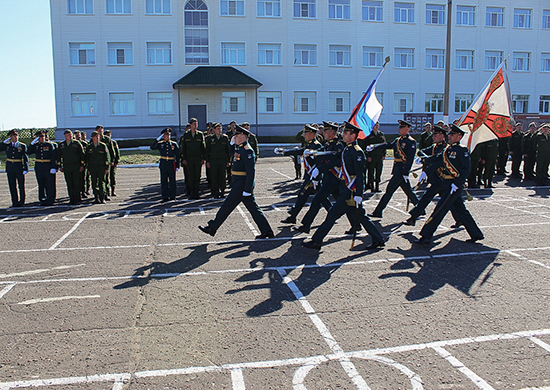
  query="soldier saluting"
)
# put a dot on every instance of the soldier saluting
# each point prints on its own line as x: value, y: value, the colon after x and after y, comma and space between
x: 45, y: 167
x: 17, y: 166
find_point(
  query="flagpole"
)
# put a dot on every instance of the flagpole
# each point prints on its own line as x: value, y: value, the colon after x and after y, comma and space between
x: 446, y: 93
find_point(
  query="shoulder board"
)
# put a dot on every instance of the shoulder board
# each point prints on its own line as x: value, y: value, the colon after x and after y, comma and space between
x: 357, y: 147
x: 246, y: 147
x: 411, y: 138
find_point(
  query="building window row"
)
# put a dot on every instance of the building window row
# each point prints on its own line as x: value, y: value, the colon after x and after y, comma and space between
x: 121, y: 104
x: 118, y: 7
x: 119, y: 53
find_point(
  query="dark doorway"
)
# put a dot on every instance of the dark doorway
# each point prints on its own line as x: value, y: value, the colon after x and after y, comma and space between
x: 197, y: 111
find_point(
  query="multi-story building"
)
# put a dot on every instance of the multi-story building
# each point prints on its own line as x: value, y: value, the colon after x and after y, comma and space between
x: 136, y: 66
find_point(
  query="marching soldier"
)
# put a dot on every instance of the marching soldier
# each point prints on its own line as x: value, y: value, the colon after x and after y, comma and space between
x: 516, y: 141
x: 168, y: 164
x: 98, y: 161
x: 404, y: 150
x: 70, y: 160
x: 45, y: 167
x: 311, y: 178
x: 375, y: 158
x: 192, y: 149
x: 115, y: 158
x: 217, y: 160
x: 453, y: 166
x: 542, y: 147
x: 242, y: 188
x: 529, y: 152
x: 350, y: 199
x: 17, y: 166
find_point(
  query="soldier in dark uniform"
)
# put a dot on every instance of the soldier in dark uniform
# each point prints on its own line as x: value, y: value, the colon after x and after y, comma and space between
x: 54, y: 175
x: 217, y: 160
x: 168, y: 164
x: 542, y: 147
x: 404, y: 150
x: 489, y: 155
x: 70, y: 160
x: 516, y: 141
x: 98, y: 161
x: 242, y: 188
x: 503, y: 150
x: 310, y: 176
x: 17, y: 166
x: 115, y: 158
x: 375, y: 158
x: 350, y: 199
x: 529, y: 153
x: 453, y: 166
x: 193, y: 149
x: 252, y: 140
x: 476, y: 166
x: 45, y: 167
x: 426, y: 137
x: 77, y: 136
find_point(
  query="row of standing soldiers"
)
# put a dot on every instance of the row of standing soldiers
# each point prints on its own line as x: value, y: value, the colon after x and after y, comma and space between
x: 84, y: 164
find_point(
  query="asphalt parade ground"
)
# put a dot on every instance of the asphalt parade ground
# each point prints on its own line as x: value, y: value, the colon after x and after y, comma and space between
x: 132, y: 295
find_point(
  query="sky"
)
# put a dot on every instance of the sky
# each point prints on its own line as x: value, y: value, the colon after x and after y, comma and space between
x: 26, y: 65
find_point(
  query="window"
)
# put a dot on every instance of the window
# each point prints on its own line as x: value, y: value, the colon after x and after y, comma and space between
x: 372, y: 11
x: 520, y: 104
x: 338, y: 9
x: 339, y: 101
x: 305, y: 101
x: 232, y: 7
x: 463, y: 102
x: 119, y: 53
x: 435, y: 14
x: 233, y: 102
x: 465, y: 15
x: 233, y: 54
x: 546, y: 18
x: 157, y: 7
x: 544, y: 104
x: 304, y: 8
x: 269, y: 54
x: 435, y: 59
x: 434, y: 102
x: 494, y: 17
x: 80, y: 6
x: 196, y: 32
x: 522, y: 18
x: 160, y: 103
x: 122, y: 103
x: 372, y: 56
x: 492, y: 59
x: 269, y: 8
x: 270, y: 102
x: 545, y: 62
x: 404, y: 58
x: 464, y: 59
x: 521, y: 61
x: 305, y: 55
x: 339, y: 55
x: 403, y: 102
x: 119, y: 6
x: 403, y: 13
x: 83, y: 104
x: 81, y: 53
x: 159, y: 53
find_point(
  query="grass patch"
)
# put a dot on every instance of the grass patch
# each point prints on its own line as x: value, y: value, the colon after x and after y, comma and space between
x: 128, y: 157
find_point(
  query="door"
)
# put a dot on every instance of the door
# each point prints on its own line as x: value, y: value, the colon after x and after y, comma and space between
x: 197, y: 111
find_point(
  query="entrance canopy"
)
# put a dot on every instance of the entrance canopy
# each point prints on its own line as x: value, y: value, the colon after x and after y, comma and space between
x: 216, y: 76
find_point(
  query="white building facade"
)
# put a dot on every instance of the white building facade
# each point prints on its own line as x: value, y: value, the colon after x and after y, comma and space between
x: 116, y: 62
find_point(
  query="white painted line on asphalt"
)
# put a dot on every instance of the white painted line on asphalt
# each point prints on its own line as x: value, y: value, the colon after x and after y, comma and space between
x: 511, y: 252
x: 282, y: 174
x: 55, y: 299
x: 38, y: 271
x: 76, y: 225
x: 237, y: 379
x: 6, y: 218
x: 247, y: 221
x: 540, y: 343
x: 517, y: 209
x: 345, y: 362
x: 477, y: 380
x: 6, y: 289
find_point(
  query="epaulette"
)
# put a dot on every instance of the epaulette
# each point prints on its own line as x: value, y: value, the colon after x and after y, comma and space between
x: 411, y: 138
x: 357, y: 147
x: 246, y: 147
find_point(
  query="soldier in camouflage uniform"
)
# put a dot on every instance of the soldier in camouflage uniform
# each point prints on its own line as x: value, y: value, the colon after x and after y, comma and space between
x: 98, y: 161
x: 542, y: 147
x: 192, y: 150
x: 71, y: 160
x: 217, y: 160
x: 115, y: 158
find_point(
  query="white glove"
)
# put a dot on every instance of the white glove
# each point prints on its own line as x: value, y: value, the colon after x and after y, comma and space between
x: 453, y: 188
x: 279, y: 150
x: 314, y: 173
x: 246, y: 193
x: 53, y: 171
x: 232, y: 142
x: 406, y: 178
x: 422, y: 177
x: 315, y: 184
x: 34, y: 141
x: 369, y: 148
x: 418, y: 160
x: 358, y: 200
x: 160, y: 137
x: 309, y: 152
x: 7, y: 141
x: 25, y: 172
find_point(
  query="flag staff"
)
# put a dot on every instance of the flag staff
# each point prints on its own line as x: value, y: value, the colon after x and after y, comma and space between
x: 446, y: 93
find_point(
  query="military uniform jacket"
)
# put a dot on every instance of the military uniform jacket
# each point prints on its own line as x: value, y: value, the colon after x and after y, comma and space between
x: 169, y: 154
x: 426, y: 139
x: 70, y: 156
x: 309, y: 161
x: 253, y: 142
x: 528, y: 144
x: 432, y: 150
x: 404, y: 150
x: 46, y: 155
x: 191, y: 146
x: 110, y: 146
x: 98, y: 156
x: 516, y: 141
x: 372, y: 139
x: 452, y: 165
x: 542, y: 145
x: 217, y: 149
x: 17, y: 159
x: 331, y: 162
x: 353, y: 168
x: 243, y: 168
